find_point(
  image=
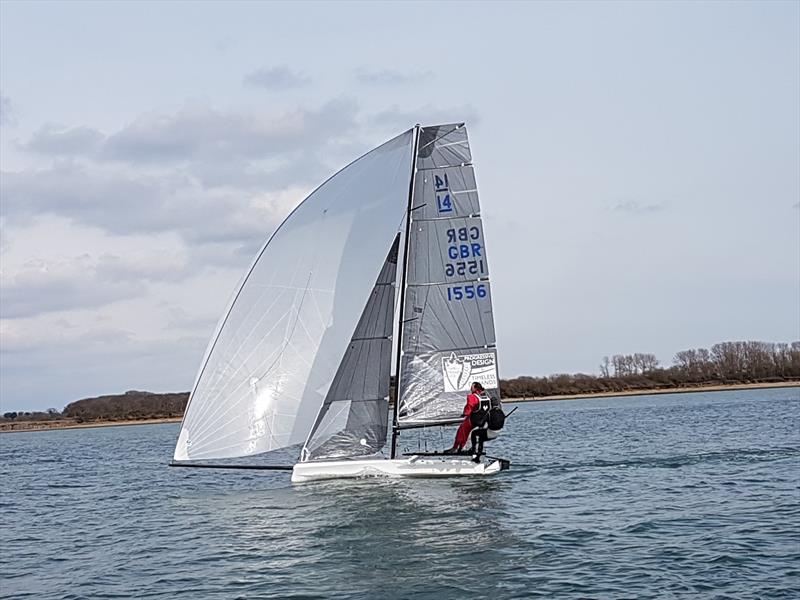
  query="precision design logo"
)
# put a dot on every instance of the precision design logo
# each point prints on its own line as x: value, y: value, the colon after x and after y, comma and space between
x: 460, y: 371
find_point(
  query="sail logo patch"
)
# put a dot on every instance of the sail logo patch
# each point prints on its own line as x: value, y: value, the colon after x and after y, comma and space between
x: 460, y: 371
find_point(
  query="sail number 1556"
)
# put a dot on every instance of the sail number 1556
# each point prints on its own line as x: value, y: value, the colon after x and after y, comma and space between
x: 461, y: 292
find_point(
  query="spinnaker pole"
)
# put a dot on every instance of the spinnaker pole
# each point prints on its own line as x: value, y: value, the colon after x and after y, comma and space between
x: 406, y: 242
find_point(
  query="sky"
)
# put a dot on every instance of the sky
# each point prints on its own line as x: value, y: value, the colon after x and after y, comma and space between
x: 638, y: 166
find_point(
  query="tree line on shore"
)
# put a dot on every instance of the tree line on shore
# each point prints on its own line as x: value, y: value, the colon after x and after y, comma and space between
x: 724, y: 363
x: 132, y: 405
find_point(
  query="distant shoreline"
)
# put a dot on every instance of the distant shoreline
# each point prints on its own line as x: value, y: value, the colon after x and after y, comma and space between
x: 653, y: 392
x: 22, y: 426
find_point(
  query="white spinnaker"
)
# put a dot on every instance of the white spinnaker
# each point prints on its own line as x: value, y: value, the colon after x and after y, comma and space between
x: 276, y: 351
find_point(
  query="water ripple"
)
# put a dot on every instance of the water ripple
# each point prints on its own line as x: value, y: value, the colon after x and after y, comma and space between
x: 670, y: 497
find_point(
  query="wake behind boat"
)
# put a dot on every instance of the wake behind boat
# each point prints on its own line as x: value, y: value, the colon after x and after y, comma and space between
x: 303, y: 354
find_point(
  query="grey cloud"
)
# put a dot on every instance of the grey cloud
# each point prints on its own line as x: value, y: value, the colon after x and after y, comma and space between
x: 206, y: 133
x: 389, y: 76
x: 62, y: 367
x: 125, y: 204
x: 276, y: 78
x: 36, y: 290
x: 796, y: 205
x: 114, y: 202
x: 232, y: 179
x: 636, y: 207
x: 180, y: 320
x: 117, y: 269
x: 224, y: 44
x: 76, y: 141
x: 399, y: 119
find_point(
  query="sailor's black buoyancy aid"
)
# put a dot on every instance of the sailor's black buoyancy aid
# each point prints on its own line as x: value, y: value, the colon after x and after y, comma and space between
x: 497, y: 418
x: 479, y: 417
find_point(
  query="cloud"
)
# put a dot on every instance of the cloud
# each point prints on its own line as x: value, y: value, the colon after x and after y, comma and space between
x: 124, y: 204
x: 7, y: 111
x: 223, y: 44
x: 51, y: 362
x: 75, y: 141
x: 389, y: 76
x: 205, y: 133
x: 276, y: 78
x: 67, y: 284
x: 142, y: 267
x: 396, y: 118
x: 636, y: 207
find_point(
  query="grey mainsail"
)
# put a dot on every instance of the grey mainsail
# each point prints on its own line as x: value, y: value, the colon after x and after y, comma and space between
x: 353, y: 419
x: 448, y: 338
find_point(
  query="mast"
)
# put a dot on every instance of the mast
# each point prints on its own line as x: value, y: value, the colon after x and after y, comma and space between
x: 395, y: 423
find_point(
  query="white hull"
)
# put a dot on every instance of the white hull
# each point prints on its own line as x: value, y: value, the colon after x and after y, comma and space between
x: 414, y: 466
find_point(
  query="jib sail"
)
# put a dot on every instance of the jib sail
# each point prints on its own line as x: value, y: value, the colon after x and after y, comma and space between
x: 353, y: 419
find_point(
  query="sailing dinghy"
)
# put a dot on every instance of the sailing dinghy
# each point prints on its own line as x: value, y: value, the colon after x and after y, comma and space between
x: 303, y: 354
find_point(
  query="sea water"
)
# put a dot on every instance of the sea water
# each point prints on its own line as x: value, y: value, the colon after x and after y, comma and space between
x: 671, y: 496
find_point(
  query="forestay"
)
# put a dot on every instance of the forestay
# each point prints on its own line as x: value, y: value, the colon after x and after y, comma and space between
x: 448, y: 337
x: 353, y: 419
x: 275, y: 354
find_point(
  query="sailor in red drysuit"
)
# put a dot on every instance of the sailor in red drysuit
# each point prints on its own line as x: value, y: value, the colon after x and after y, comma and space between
x: 462, y: 435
